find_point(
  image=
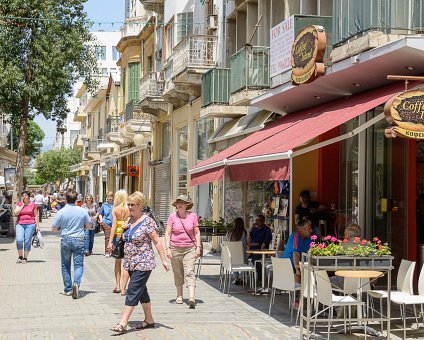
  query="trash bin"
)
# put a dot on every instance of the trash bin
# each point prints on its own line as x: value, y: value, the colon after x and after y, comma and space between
x: 420, y: 257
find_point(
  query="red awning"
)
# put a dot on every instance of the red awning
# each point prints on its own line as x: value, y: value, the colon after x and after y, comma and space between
x: 260, y: 156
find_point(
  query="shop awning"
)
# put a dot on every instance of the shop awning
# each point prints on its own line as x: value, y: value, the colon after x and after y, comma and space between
x: 264, y: 155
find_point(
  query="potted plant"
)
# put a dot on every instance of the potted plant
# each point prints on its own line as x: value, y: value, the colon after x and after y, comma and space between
x: 333, y: 252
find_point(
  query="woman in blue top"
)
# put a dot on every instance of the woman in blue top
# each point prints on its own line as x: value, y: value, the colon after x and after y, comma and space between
x: 105, y: 217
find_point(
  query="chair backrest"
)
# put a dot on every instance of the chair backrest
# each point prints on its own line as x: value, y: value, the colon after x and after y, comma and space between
x: 236, y: 251
x: 282, y: 274
x: 351, y: 285
x: 226, y: 257
x: 404, y: 281
x: 324, y: 292
x: 421, y: 282
x: 309, y: 282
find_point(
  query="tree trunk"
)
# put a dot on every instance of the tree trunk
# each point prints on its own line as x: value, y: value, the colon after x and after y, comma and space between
x: 20, y: 162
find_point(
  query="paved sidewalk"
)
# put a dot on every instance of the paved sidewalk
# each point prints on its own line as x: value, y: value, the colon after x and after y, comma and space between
x: 32, y: 306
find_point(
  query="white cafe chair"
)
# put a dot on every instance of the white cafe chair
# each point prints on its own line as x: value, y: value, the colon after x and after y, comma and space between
x: 283, y: 279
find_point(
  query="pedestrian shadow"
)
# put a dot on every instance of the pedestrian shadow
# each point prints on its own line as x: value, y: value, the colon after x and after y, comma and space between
x: 185, y: 301
x: 4, y: 249
x: 35, y: 261
x: 84, y: 293
x: 133, y: 329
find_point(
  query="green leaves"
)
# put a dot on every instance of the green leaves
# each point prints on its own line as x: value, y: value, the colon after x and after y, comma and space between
x: 53, y: 166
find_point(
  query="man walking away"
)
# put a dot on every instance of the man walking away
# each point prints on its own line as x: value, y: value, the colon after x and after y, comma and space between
x: 71, y: 221
x: 39, y: 201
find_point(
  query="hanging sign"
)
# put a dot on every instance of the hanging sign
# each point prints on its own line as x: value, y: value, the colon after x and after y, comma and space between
x: 405, y: 112
x: 307, y: 56
x: 133, y: 170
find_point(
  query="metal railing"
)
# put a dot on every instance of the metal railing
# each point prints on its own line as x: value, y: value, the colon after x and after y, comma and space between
x: 90, y: 144
x: 133, y: 113
x: 195, y: 51
x: 250, y: 68
x: 133, y: 26
x: 151, y: 86
x: 216, y: 86
x: 112, y: 124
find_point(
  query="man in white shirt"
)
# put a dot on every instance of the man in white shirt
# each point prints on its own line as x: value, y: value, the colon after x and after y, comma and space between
x: 39, y: 201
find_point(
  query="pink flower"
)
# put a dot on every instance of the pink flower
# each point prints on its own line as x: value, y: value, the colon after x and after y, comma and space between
x: 327, y: 238
x: 375, y: 239
x: 380, y: 247
x: 364, y: 242
x: 378, y: 242
x: 312, y: 244
x: 356, y: 240
x: 314, y: 237
x: 320, y: 246
x: 333, y: 239
x: 345, y: 241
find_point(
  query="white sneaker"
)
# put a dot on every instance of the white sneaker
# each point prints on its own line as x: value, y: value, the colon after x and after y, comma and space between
x: 67, y: 293
x: 75, y: 291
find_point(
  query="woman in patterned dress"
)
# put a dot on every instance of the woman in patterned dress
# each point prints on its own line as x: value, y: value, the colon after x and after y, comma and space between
x: 139, y: 260
x: 91, y: 207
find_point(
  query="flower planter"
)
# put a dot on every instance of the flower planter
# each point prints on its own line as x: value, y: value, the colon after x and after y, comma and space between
x: 349, y: 262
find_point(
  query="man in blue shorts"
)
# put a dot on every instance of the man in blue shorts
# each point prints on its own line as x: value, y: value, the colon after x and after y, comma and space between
x: 297, y: 244
x: 71, y: 221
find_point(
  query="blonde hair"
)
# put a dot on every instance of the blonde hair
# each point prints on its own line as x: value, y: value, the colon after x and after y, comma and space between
x: 89, y: 195
x: 121, y: 198
x: 139, y: 198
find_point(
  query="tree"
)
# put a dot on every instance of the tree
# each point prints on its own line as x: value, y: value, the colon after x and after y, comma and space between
x: 43, y: 51
x: 53, y: 166
x: 33, y: 142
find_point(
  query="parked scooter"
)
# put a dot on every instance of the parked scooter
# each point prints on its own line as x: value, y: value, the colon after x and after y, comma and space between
x: 5, y: 216
x: 160, y: 226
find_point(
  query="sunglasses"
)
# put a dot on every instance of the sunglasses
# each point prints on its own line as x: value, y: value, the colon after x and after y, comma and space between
x: 131, y: 205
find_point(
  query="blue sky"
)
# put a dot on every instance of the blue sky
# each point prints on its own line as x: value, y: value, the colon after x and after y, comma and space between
x: 105, y: 12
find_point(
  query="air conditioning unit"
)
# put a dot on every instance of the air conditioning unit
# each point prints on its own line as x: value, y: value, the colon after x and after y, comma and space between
x: 212, y: 22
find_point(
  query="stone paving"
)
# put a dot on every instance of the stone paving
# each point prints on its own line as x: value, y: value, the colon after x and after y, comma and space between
x: 33, y: 308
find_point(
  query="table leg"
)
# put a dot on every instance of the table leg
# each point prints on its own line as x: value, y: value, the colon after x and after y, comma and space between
x: 263, y: 271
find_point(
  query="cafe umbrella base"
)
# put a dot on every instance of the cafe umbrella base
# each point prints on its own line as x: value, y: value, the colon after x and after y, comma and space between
x: 382, y: 264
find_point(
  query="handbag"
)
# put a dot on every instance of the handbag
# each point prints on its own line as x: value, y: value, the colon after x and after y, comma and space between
x: 118, y: 250
x: 98, y: 227
x: 201, y: 242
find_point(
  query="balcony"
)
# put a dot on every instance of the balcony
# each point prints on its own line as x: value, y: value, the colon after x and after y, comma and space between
x: 151, y: 90
x: 249, y: 74
x: 112, y: 130
x: 170, y: 93
x: 91, y: 151
x: 153, y: 5
x: 216, y: 95
x: 132, y: 26
x: 192, y: 57
x: 134, y: 121
x: 80, y: 115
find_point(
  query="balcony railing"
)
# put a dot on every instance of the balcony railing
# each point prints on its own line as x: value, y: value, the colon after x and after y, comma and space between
x: 195, y: 51
x: 133, y: 26
x: 250, y: 68
x: 216, y: 86
x: 112, y: 124
x: 90, y: 145
x: 133, y: 113
x: 150, y: 86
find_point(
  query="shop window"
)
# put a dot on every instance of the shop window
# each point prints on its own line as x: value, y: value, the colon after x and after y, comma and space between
x: 182, y: 148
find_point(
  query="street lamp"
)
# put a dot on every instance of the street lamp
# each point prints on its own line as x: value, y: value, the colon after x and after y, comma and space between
x: 138, y: 139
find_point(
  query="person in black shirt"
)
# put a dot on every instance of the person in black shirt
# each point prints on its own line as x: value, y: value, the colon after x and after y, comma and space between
x: 309, y: 210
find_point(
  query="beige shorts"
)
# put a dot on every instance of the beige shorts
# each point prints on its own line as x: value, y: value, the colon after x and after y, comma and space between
x: 183, y: 260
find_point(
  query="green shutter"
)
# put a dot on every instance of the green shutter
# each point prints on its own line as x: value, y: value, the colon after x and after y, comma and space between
x: 133, y: 81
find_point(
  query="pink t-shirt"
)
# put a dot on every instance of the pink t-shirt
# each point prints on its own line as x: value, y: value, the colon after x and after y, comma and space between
x: 179, y: 237
x: 26, y: 215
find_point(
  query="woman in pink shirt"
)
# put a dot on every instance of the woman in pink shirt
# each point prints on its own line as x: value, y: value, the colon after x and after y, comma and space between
x: 27, y: 221
x: 182, y: 240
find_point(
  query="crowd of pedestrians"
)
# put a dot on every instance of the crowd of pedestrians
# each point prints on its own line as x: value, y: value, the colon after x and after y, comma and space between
x: 122, y: 216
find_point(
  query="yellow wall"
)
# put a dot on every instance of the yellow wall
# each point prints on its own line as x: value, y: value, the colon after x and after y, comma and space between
x: 304, y: 176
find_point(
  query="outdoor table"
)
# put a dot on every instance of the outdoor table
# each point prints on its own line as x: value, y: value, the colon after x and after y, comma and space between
x: 360, y: 274
x: 262, y: 252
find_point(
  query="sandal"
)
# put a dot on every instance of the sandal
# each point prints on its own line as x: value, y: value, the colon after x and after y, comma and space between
x: 192, y: 303
x: 124, y: 292
x: 119, y: 328
x: 179, y: 300
x: 145, y: 325
x: 116, y: 290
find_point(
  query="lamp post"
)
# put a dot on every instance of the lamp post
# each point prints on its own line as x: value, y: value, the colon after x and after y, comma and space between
x: 138, y: 139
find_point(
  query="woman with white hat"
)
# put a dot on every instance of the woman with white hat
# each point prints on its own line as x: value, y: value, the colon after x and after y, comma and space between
x: 182, y: 242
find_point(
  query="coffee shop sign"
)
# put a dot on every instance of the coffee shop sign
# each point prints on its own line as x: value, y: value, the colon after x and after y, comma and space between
x: 308, y: 51
x: 405, y: 113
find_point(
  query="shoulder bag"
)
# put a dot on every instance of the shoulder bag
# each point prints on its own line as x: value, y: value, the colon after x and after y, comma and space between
x: 118, y: 250
x: 201, y: 243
